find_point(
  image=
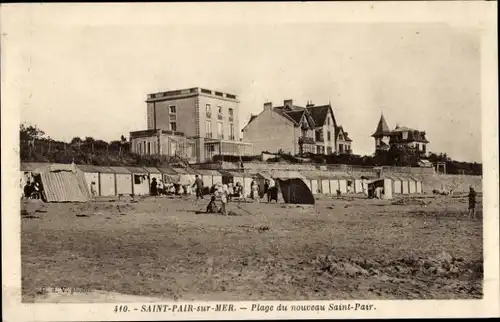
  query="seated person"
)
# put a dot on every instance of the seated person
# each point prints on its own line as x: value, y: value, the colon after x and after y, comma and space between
x: 212, y: 206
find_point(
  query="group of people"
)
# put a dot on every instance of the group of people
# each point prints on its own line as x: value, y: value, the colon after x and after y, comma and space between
x: 163, y: 189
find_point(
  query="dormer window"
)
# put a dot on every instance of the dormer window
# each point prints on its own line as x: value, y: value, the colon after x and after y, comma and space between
x: 405, y: 135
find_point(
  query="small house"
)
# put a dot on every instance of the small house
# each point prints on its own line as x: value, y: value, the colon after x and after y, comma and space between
x: 405, y: 188
x: 107, y: 184
x: 140, y: 181
x: 185, y: 177
x: 154, y: 173
x: 123, y: 180
x: 91, y: 174
x: 396, y: 184
x: 412, y: 185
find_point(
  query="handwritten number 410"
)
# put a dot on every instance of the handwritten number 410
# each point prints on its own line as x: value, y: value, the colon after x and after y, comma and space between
x: 121, y: 308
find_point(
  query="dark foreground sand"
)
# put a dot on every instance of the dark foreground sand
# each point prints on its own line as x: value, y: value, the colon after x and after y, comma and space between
x: 338, y: 249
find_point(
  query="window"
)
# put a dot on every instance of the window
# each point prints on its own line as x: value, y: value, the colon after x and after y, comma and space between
x: 220, y: 133
x: 172, y: 109
x: 231, y: 112
x: 341, y: 137
x: 138, y: 148
x: 208, y: 129
x: 318, y: 136
x: 173, y: 126
x: 405, y: 135
x: 341, y: 148
x: 149, y: 147
x: 423, y: 148
x: 231, y: 132
x: 208, y: 111
x: 304, y: 133
x: 329, y: 135
x: 328, y: 121
x: 144, y: 146
x: 219, y: 108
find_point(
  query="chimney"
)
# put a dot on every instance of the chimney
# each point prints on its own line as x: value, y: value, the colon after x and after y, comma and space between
x: 268, y: 105
x: 288, y: 103
x: 309, y: 104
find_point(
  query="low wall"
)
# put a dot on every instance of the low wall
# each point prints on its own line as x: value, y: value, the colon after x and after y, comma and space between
x: 430, y: 180
x: 459, y: 183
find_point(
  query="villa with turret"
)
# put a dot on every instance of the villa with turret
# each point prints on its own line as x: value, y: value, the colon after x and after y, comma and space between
x: 401, y: 135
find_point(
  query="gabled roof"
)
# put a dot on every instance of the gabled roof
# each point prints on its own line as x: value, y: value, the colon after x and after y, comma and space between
x: 339, y: 130
x: 319, y: 114
x: 413, y: 135
x: 382, y: 128
x: 296, y: 116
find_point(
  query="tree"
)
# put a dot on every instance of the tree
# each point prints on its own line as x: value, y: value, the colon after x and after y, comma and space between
x: 76, y: 141
x: 30, y: 133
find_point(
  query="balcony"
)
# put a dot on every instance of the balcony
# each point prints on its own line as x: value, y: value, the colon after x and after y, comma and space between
x: 208, y: 114
x: 306, y: 140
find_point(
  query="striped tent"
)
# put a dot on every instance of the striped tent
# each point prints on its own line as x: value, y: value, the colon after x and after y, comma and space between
x: 63, y: 183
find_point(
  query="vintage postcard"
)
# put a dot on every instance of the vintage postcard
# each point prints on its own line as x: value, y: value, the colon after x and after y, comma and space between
x: 249, y: 161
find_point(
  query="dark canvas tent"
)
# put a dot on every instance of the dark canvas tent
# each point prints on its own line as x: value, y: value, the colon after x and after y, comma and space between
x: 295, y: 191
x: 63, y: 183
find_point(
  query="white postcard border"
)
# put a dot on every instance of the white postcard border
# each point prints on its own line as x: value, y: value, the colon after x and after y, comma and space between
x: 481, y: 15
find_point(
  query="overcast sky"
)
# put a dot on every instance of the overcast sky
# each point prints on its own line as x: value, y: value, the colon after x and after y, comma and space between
x: 92, y: 79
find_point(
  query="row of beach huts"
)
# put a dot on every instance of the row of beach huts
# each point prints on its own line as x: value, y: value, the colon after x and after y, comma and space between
x: 113, y: 181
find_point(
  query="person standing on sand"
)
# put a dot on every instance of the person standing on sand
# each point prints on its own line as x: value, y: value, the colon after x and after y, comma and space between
x: 266, y: 190
x: 93, y: 189
x: 154, y: 187
x: 223, y: 199
x: 472, y: 203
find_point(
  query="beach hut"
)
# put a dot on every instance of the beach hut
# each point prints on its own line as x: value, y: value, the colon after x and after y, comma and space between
x: 91, y: 174
x: 358, y: 184
x: 153, y: 173
x: 169, y: 175
x: 206, y: 177
x: 342, y: 183
x: 185, y: 177
x: 405, y: 188
x: 123, y: 180
x: 140, y: 181
x: 419, y: 185
x: 396, y: 185
x: 386, y: 184
x: 412, y: 185
x: 233, y: 176
x: 107, y: 185
x: 387, y: 188
x: 325, y: 183
x: 262, y: 177
x: 334, y: 183
x: 314, y: 181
